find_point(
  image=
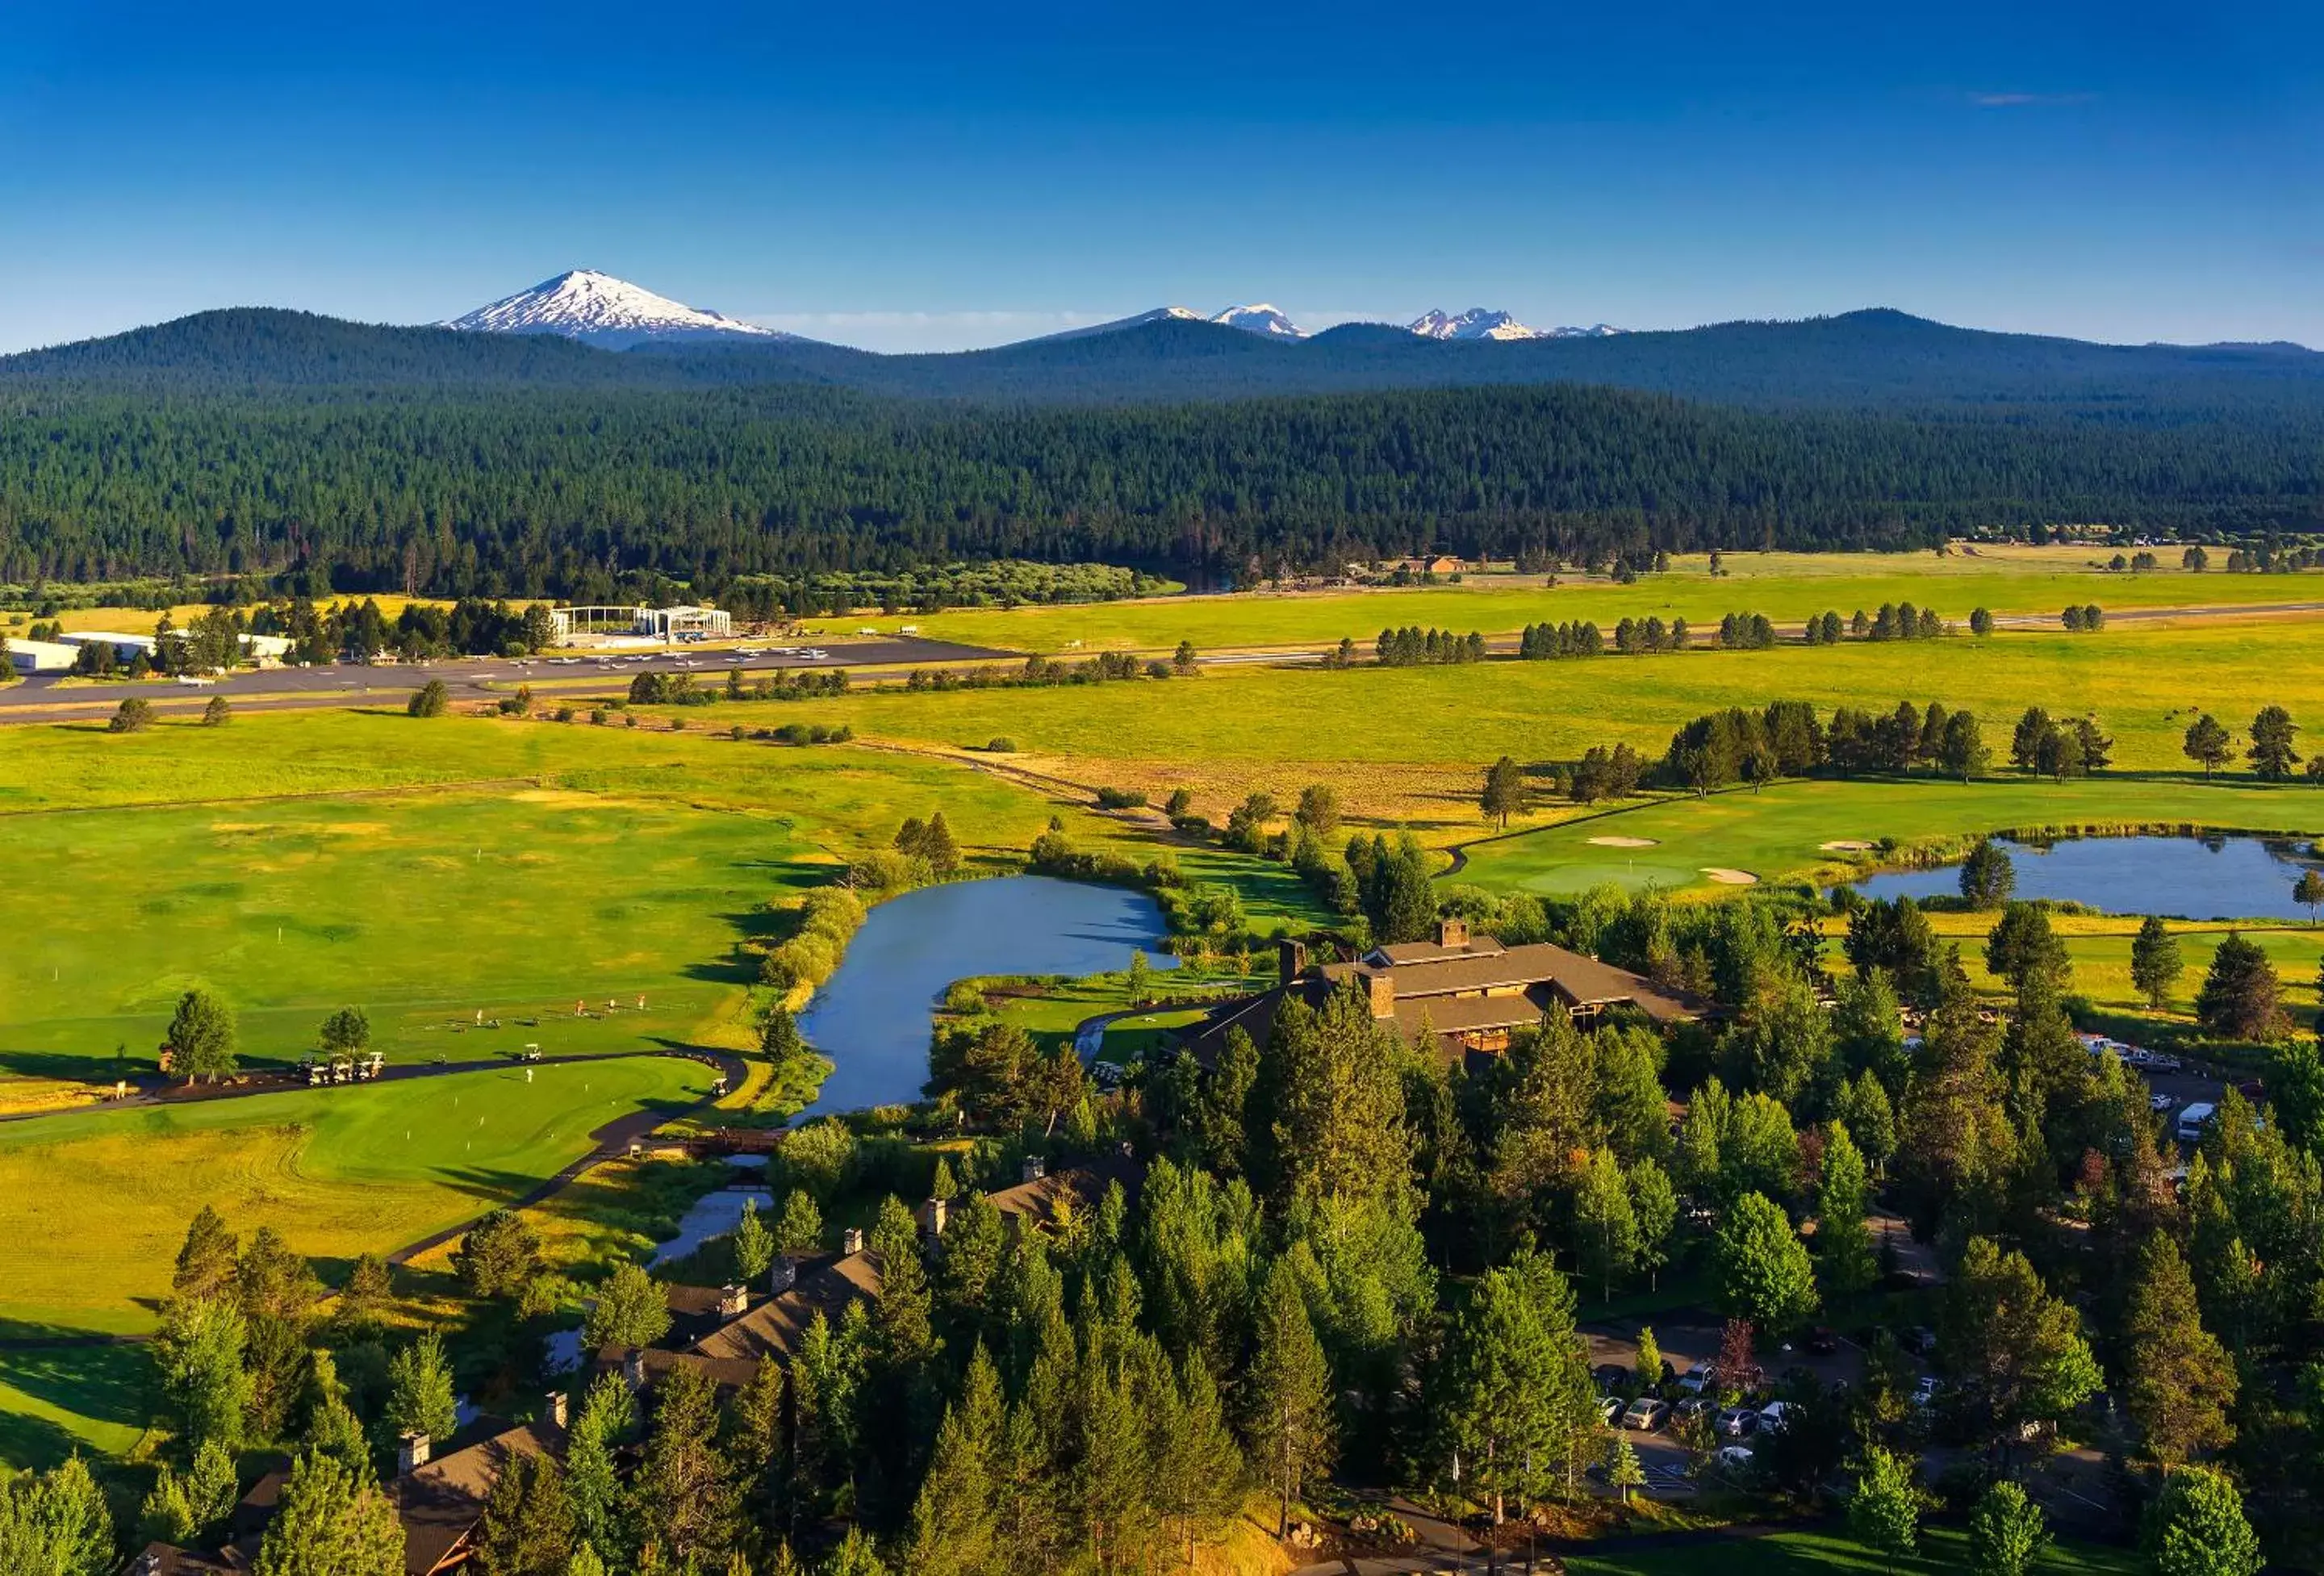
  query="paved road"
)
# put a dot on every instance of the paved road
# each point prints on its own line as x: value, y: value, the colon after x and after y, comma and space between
x: 43, y: 696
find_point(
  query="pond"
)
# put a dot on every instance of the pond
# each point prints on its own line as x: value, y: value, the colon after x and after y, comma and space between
x: 2186, y: 878
x: 872, y: 1017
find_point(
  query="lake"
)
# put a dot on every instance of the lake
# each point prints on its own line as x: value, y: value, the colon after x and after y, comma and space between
x: 2187, y: 878
x: 873, y: 1017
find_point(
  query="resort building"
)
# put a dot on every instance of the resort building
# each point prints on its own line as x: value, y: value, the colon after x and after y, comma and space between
x: 1470, y: 990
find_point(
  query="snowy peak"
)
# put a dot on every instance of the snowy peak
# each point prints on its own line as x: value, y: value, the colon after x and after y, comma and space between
x: 1262, y: 319
x: 599, y: 310
x: 1487, y: 323
x: 1136, y: 320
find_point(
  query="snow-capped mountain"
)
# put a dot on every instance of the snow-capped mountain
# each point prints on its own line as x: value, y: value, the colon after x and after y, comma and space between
x: 599, y: 310
x: 1261, y: 318
x: 1135, y: 320
x: 1487, y: 323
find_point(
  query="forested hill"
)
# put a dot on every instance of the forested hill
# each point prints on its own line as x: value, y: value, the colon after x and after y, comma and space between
x: 1882, y: 359
x: 498, y: 488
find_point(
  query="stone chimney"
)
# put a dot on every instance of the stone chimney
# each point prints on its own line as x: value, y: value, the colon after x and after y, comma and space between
x: 1290, y: 959
x: 1033, y: 1169
x: 411, y: 1454
x: 554, y: 1410
x: 851, y: 1241
x: 734, y: 1302
x: 1452, y: 934
x: 783, y: 1276
x: 932, y: 1216
x: 1380, y: 983
x: 634, y: 1370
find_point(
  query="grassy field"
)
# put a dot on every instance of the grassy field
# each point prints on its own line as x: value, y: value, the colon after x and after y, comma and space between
x: 440, y: 870
x: 337, y: 1170
x: 1406, y: 746
x: 1786, y: 586
x: 1943, y: 1549
x: 1779, y: 834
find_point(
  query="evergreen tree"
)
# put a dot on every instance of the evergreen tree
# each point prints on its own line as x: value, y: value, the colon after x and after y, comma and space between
x: 420, y: 1399
x: 1198, y: 1468
x: 331, y: 1522
x: 2154, y: 961
x: 2271, y: 753
x: 332, y: 1427
x: 527, y: 1529
x: 754, y: 1245
x: 1338, y: 1131
x: 2022, y: 946
x: 1504, y: 793
x: 856, y: 1556
x: 2014, y: 1352
x: 2206, y: 744
x: 1605, y: 1227
x: 2006, y: 1533
x: 1624, y: 1471
x: 1986, y: 876
x: 2240, y: 995
x: 2180, y: 1384
x: 955, y: 1520
x: 1288, y: 1394
x: 593, y: 1481
x: 1653, y: 1206
x: 1515, y: 1398
x: 200, y: 1353
x: 686, y: 1498
x: 938, y: 847
x: 207, y: 1260
x: 801, y: 1228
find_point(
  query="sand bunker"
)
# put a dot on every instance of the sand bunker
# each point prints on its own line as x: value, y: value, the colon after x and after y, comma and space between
x: 1730, y: 877
x: 1847, y: 846
x: 1623, y: 842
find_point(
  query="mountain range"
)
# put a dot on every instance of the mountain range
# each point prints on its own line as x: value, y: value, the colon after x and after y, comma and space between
x: 588, y: 330
x: 612, y: 314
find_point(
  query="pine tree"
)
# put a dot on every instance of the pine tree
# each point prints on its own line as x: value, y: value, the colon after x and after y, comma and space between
x: 332, y: 1427
x: 801, y: 1228
x: 2179, y: 1384
x: 1623, y: 1470
x: 2271, y: 753
x: 420, y: 1399
x: 592, y: 1481
x: 1504, y: 792
x: 754, y: 1245
x: 957, y: 1518
x: 331, y: 1522
x: 2240, y: 995
x: 1514, y: 1398
x: 2154, y: 961
x: 2206, y: 744
x: 1198, y: 1468
x: 207, y: 1262
x: 684, y: 1496
x: 1287, y: 1394
x: 528, y: 1528
x: 938, y: 847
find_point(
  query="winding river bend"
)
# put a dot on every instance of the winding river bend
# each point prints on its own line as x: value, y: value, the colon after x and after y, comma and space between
x: 873, y: 1017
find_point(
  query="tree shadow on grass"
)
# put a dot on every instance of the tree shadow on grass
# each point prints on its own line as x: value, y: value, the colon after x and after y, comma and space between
x: 105, y: 1378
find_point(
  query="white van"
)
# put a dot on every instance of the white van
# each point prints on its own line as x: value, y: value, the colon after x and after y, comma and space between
x: 2193, y: 1120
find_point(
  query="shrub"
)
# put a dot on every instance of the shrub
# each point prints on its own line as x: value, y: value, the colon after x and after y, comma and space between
x: 1113, y: 799
x: 431, y: 699
x: 1003, y: 745
x: 134, y: 717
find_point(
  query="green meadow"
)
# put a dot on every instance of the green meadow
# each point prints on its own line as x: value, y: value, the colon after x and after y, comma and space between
x: 93, y: 1206
x: 1786, y: 586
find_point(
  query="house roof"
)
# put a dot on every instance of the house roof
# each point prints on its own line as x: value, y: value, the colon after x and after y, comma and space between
x: 1447, y: 986
x: 776, y: 1327
x: 440, y: 1502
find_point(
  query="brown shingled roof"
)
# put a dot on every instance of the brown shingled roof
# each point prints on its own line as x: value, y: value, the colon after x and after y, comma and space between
x: 776, y: 1326
x: 440, y: 1502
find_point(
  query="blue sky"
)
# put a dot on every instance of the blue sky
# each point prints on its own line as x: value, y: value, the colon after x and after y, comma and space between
x: 915, y: 176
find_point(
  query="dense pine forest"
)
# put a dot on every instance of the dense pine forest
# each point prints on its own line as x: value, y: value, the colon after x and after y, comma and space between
x: 357, y: 458
x: 528, y: 491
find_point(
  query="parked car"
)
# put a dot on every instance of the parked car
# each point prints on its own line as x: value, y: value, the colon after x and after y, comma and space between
x: 1734, y: 1457
x: 1775, y: 1415
x: 1737, y: 1423
x: 1925, y: 1392
x: 1610, y: 1376
x: 1698, y: 1379
x: 1646, y: 1414
x: 1693, y: 1407
x: 2161, y: 1062
x: 2159, y: 1102
x: 1610, y: 1407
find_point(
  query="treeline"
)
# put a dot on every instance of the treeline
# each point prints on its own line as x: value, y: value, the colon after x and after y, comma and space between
x: 602, y: 494
x: 1787, y: 739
